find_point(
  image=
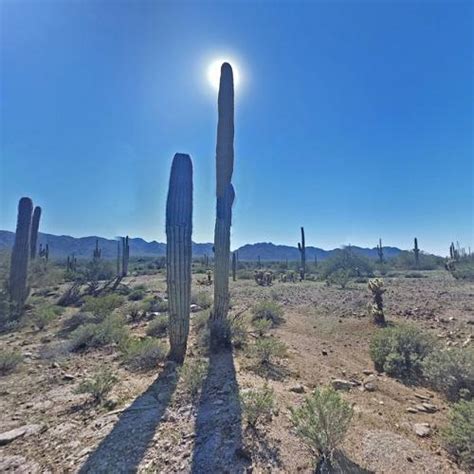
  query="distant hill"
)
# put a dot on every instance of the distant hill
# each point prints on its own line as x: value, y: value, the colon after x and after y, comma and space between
x: 63, y: 245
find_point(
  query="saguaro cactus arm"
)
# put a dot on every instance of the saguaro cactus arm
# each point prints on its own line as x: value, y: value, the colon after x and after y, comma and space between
x: 34, y: 232
x: 179, y: 209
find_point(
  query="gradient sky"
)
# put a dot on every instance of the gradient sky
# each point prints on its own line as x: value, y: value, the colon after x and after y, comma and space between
x: 354, y: 119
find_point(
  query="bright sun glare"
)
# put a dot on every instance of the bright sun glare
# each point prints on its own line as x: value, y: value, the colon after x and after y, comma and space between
x: 214, y: 72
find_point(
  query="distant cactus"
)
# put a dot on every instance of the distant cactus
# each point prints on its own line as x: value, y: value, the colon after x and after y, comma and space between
x: 179, y: 209
x: 20, y: 256
x: 97, y: 251
x: 44, y: 251
x: 71, y: 263
x: 376, y: 307
x: 380, y: 251
x: 302, y: 249
x: 34, y: 231
x: 234, y: 266
x: 119, y: 270
x: 259, y: 263
x: 416, y: 251
x: 125, y: 255
x: 219, y: 325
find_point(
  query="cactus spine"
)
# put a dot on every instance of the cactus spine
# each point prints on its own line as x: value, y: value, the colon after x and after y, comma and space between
x: 416, y: 250
x: 179, y: 210
x: 34, y: 231
x: 220, y: 334
x: 302, y: 249
x: 20, y: 256
x: 380, y: 251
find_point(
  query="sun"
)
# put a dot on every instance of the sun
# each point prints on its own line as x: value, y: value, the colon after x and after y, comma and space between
x: 214, y: 72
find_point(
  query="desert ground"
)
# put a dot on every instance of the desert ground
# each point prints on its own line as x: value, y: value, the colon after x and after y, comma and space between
x: 151, y: 424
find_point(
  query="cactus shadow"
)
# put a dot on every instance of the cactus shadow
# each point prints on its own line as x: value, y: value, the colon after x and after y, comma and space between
x: 218, y: 426
x: 125, y: 446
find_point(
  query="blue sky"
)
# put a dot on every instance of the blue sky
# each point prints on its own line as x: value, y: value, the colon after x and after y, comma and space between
x: 354, y: 119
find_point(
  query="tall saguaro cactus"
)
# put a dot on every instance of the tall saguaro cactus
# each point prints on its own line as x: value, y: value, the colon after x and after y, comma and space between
x: 20, y: 256
x: 416, y: 251
x: 34, y: 232
x: 220, y: 334
x: 302, y: 249
x: 179, y: 213
x: 97, y: 251
x: 380, y: 251
x: 125, y: 255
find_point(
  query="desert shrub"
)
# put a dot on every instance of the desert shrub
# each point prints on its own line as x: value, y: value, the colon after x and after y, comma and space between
x: 257, y: 405
x: 406, y: 261
x: 101, y: 306
x: 111, y: 330
x: 143, y: 354
x: 458, y: 436
x: 463, y: 269
x: 262, y: 326
x: 340, y: 277
x: 451, y: 372
x: 42, y: 274
x: 42, y: 316
x: 98, y: 386
x: 414, y: 275
x: 200, y: 326
x: 202, y: 299
x: 238, y: 331
x: 99, y: 269
x: 269, y: 310
x: 9, y: 360
x: 192, y: 374
x: 77, y: 320
x: 400, y: 350
x: 158, y: 327
x: 157, y: 305
x: 322, y: 422
x: 137, y: 294
x: 266, y: 351
x: 347, y: 263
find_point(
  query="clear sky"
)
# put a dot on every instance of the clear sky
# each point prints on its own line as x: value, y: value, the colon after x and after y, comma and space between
x: 354, y: 119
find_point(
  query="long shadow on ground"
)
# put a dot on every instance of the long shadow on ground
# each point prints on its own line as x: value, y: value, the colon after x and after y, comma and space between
x: 124, y: 447
x: 218, y: 441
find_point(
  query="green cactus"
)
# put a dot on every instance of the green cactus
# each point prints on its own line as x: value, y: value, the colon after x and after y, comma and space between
x: 119, y: 271
x: 34, y: 231
x: 302, y: 249
x: 20, y: 256
x: 380, y: 251
x: 125, y: 255
x: 416, y: 251
x: 97, y: 251
x: 219, y: 325
x: 179, y: 211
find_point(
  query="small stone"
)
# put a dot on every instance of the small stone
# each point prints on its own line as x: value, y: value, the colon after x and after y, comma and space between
x: 367, y: 372
x: 340, y: 384
x: 68, y: 377
x: 411, y: 410
x: 324, y: 353
x: 298, y: 388
x: 9, y: 436
x: 429, y: 407
x: 422, y: 429
x: 370, y: 386
x: 195, y: 308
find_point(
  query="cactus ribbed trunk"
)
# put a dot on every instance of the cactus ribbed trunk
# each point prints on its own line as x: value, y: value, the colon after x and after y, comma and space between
x: 20, y: 256
x: 125, y: 255
x: 220, y: 333
x: 34, y: 232
x: 302, y: 249
x: 179, y: 210
x: 234, y: 266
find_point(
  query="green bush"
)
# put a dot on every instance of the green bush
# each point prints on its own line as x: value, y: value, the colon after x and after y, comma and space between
x: 144, y: 354
x: 266, y: 351
x: 137, y: 294
x: 76, y: 320
x: 9, y: 360
x: 340, y: 277
x: 451, y: 372
x: 98, y: 386
x: 347, y: 264
x: 322, y: 422
x: 269, y: 310
x: 262, y: 326
x: 101, y: 306
x: 157, y: 305
x: 158, y: 327
x: 400, y: 350
x: 202, y: 299
x: 111, y: 330
x: 458, y: 436
x: 192, y: 374
x: 257, y: 405
x: 42, y: 316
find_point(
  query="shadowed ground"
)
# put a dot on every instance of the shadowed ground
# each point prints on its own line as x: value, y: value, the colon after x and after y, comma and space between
x: 218, y: 442
x: 124, y: 447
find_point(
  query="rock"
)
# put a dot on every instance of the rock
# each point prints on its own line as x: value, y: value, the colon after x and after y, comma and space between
x: 324, y: 353
x: 422, y: 429
x: 370, y: 386
x: 429, y: 407
x: 68, y: 377
x: 340, y: 384
x: 26, y: 430
x: 298, y: 388
x: 367, y: 372
x: 411, y: 410
x: 195, y: 308
x: 422, y: 397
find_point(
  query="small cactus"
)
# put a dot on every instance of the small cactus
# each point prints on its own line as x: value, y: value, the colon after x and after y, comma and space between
x: 125, y: 255
x: 376, y: 307
x: 20, y: 257
x: 380, y: 251
x: 34, y: 231
x: 302, y: 249
x: 179, y: 210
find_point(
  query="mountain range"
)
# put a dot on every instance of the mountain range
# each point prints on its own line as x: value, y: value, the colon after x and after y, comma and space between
x: 60, y: 246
